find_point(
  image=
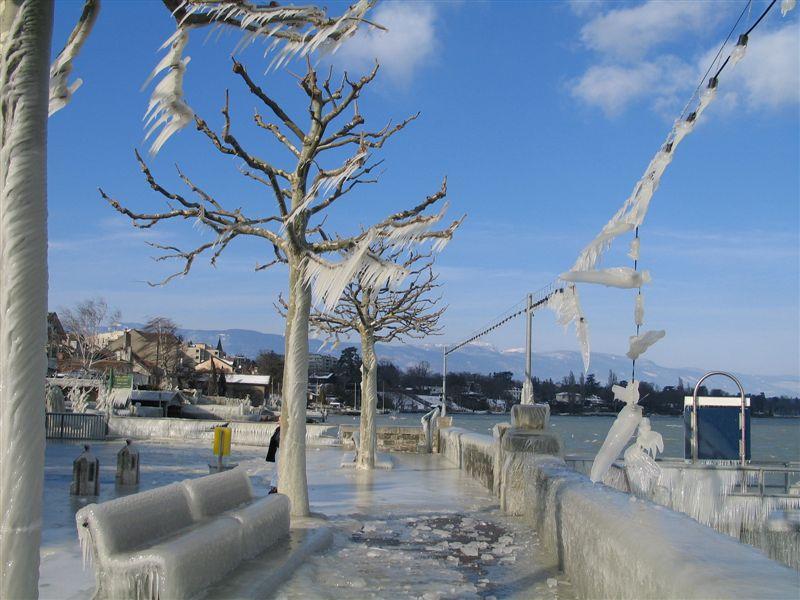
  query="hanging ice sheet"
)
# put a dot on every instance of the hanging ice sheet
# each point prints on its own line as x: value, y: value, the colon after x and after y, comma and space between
x: 566, y: 304
x: 621, y: 277
x: 638, y: 344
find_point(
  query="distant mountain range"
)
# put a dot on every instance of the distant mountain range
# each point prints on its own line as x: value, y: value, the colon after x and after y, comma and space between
x: 484, y: 358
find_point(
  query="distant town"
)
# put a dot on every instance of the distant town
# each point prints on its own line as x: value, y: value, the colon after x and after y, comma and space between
x: 84, y: 346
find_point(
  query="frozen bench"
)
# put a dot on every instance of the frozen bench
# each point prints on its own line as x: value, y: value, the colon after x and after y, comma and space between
x: 174, y: 541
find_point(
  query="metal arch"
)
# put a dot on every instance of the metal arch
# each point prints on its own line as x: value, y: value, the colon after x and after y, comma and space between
x: 695, y: 447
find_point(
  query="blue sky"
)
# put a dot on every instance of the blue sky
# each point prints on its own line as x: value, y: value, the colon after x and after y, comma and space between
x: 541, y: 115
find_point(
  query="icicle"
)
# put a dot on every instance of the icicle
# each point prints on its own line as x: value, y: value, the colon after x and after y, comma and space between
x: 621, y: 277
x: 167, y: 108
x: 582, y: 331
x: 738, y: 54
x: 329, y: 279
x: 638, y: 311
x: 634, y: 250
x: 326, y: 184
x: 566, y: 305
x: 60, y: 70
x: 638, y: 344
x: 787, y: 6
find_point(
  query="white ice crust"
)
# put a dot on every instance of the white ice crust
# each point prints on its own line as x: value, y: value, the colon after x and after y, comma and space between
x: 620, y: 277
x: 638, y: 344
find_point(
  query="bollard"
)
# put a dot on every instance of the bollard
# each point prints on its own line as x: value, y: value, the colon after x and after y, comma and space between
x: 85, y: 475
x: 128, y: 465
x: 221, y: 448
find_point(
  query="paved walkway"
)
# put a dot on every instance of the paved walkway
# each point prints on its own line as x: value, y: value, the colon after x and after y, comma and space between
x: 420, y: 530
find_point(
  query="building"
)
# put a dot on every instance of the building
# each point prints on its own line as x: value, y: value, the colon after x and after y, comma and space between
x: 159, y: 356
x: 321, y: 363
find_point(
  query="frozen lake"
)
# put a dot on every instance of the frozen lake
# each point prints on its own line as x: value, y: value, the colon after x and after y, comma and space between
x: 772, y: 439
x: 422, y: 529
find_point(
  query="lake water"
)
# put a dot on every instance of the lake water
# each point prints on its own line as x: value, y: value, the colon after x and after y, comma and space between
x: 770, y: 439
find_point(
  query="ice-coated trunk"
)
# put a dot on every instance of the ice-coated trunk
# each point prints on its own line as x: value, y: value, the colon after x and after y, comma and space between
x: 25, y: 29
x: 292, y: 462
x: 369, y: 401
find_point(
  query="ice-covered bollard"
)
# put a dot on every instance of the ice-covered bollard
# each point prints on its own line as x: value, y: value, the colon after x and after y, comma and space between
x: 85, y: 475
x: 530, y: 416
x: 128, y: 465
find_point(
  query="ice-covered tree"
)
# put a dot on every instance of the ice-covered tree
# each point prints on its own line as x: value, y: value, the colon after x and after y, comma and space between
x: 303, y: 190
x: 382, y: 314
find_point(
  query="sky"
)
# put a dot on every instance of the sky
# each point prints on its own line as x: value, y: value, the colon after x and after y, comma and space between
x: 542, y: 116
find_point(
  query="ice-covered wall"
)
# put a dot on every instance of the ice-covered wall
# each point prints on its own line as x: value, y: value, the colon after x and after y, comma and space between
x: 248, y: 434
x: 612, y: 545
x: 705, y: 495
x: 474, y: 453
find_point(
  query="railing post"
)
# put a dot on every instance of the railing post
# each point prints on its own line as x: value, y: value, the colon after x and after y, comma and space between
x: 61, y: 435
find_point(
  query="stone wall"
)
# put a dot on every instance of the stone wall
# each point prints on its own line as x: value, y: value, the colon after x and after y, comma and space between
x: 390, y: 439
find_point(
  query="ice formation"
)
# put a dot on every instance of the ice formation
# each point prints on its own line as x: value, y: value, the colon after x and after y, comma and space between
x: 566, y: 305
x: 167, y: 110
x: 330, y: 278
x: 54, y: 400
x: 638, y: 311
x: 25, y: 32
x: 300, y: 30
x: 638, y: 344
x: 640, y: 465
x: 621, y: 277
x: 621, y: 430
x: 634, y: 249
x: 60, y: 90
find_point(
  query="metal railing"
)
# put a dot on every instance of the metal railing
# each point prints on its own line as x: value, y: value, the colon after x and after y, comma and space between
x: 75, y: 426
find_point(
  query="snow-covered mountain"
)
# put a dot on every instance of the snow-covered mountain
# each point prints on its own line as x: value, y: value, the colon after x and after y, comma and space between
x: 485, y: 358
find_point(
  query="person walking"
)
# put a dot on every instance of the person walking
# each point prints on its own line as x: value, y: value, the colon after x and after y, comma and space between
x: 272, y: 456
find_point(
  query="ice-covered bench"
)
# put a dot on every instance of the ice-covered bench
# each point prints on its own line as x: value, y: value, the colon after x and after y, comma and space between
x: 174, y: 541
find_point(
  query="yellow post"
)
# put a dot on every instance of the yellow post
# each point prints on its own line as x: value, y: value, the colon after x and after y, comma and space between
x: 222, y: 441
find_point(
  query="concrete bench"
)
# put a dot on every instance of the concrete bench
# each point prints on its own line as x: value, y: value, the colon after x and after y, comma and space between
x: 174, y: 541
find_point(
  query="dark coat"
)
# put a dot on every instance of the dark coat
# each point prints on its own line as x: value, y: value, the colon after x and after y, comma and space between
x: 274, y: 444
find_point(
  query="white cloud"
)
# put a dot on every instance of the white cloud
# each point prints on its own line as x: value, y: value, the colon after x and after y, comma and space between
x: 629, y: 33
x: 409, y: 42
x: 630, y: 70
x: 768, y: 77
x: 613, y: 87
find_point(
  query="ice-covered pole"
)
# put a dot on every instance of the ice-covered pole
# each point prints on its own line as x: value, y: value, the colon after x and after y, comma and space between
x: 444, y: 381
x: 527, y: 386
x: 25, y: 30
